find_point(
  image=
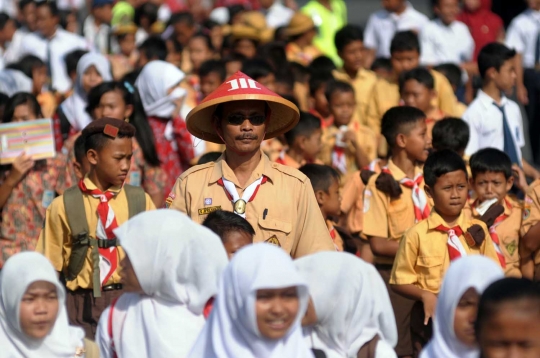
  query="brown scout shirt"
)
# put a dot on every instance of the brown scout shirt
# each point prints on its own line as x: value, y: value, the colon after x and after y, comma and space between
x: 284, y: 211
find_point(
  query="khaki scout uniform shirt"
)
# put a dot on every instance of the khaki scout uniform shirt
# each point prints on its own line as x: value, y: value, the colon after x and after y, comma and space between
x: 284, y: 211
x: 55, y: 239
x: 531, y: 212
x: 363, y: 85
x: 508, y: 232
x: 386, y: 217
x: 422, y: 258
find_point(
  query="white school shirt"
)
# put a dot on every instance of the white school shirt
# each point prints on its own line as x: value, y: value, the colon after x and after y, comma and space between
x: 278, y: 15
x: 61, y: 43
x: 486, y: 124
x: 97, y: 35
x: 10, y: 54
x: 446, y: 44
x: 382, y: 26
x: 522, y: 35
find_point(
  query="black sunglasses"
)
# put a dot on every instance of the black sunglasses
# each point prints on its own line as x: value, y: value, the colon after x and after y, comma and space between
x: 238, y: 119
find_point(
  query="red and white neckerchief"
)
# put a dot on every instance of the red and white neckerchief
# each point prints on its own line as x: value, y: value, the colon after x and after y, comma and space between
x: 281, y: 158
x: 454, y: 244
x: 373, y: 165
x: 333, y: 234
x: 249, y: 193
x: 419, y: 198
x: 493, y: 232
x: 339, y: 159
x: 108, y: 258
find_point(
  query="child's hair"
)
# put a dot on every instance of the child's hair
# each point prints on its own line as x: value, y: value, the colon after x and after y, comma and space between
x: 78, y: 149
x: 4, y: 18
x: 316, y: 81
x: 72, y: 60
x: 493, y: 55
x: 420, y: 75
x: 27, y: 64
x: 154, y: 47
x: 274, y: 53
x: 130, y: 95
x: 256, y: 68
x: 24, y: 3
x: 399, y: 120
x: 234, y: 57
x: 148, y: 10
x: 64, y: 16
x: 95, y: 138
x: 348, y: 34
x: 382, y: 63
x: 131, y: 77
x: 209, y: 157
x: 307, y: 124
x: 177, y: 46
x: 213, y: 66
x: 440, y: 163
x: 506, y: 290
x: 222, y: 222
x: 185, y: 17
x: 21, y: 98
x: 452, y: 72
x: 337, y: 86
x: 450, y: 133
x: 206, y: 39
x: 321, y: 176
x: 321, y: 66
x: 300, y: 72
x: 405, y: 41
x: 53, y: 8
x: 490, y: 160
x: 285, y: 77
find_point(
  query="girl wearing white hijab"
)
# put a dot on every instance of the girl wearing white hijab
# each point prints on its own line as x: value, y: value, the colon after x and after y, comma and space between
x: 92, y: 69
x: 351, y: 305
x: 171, y: 269
x: 33, y: 317
x: 455, y: 314
x: 162, y: 99
x: 258, y: 309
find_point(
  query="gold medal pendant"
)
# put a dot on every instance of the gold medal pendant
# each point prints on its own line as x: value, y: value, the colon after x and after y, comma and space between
x: 240, y: 206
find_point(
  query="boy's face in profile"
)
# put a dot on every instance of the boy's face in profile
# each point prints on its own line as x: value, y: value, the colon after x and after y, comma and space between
x: 505, y: 78
x: 311, y: 145
x: 352, y: 55
x: 447, y: 10
x: 416, y: 142
x: 449, y: 194
x: 490, y: 185
x: 330, y: 200
x: 342, y: 106
x: 320, y: 103
x: 235, y: 240
x: 112, y: 162
x: 209, y: 83
x: 415, y: 94
x: 404, y: 61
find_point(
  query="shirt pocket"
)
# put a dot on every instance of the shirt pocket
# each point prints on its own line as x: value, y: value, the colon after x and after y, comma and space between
x: 429, y: 272
x: 275, y: 231
x: 398, y: 218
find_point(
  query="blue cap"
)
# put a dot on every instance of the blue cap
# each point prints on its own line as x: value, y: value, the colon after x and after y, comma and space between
x: 100, y: 3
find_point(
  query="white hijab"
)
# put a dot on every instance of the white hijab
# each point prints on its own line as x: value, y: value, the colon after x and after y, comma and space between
x: 19, y: 272
x: 351, y: 302
x: 155, y: 79
x: 178, y: 264
x: 74, y: 107
x: 231, y: 330
x: 476, y: 272
x: 13, y: 81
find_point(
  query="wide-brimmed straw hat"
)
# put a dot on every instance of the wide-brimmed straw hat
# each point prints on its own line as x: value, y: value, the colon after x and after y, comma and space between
x: 299, y: 24
x: 283, y: 114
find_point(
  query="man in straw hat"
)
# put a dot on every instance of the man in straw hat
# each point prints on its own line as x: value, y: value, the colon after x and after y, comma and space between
x: 277, y: 200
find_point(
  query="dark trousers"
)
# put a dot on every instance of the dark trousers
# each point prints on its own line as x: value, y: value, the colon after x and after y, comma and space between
x: 531, y: 80
x: 420, y: 333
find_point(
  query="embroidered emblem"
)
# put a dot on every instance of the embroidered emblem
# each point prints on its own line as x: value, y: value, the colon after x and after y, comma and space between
x: 208, y: 210
x: 273, y: 240
x: 169, y: 200
x: 526, y: 213
x: 528, y: 200
x: 511, y: 247
x: 208, y: 201
x: 367, y: 198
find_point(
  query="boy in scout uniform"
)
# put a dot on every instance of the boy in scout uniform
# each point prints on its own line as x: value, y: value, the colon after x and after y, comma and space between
x: 491, y: 180
x: 394, y: 201
x: 428, y: 248
x: 78, y: 236
x: 276, y: 200
x: 529, y: 246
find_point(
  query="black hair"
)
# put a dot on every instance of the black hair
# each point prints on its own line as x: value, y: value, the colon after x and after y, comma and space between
x: 4, y: 19
x: 206, y: 39
x: 222, y: 222
x: 286, y: 77
x: 399, y: 120
x: 382, y: 63
x: 131, y: 77
x: 63, y: 18
x: 53, y: 8
x: 4, y: 98
x: 451, y: 71
x: 209, y: 157
x: 210, y: 24
x: 95, y: 138
x: 494, y: 55
x: 506, y: 290
x: 307, y: 124
x: 138, y: 119
x: 234, y: 10
x: 322, y: 65
x: 440, y: 163
x: 16, y: 100
x: 256, y: 68
x: 317, y: 81
x: 420, y: 75
x: 405, y: 41
x: 347, y: 35
x: 321, y: 176
x: 450, y: 133
x: 72, y: 59
x: 24, y: 3
x: 337, y: 86
x: 300, y: 72
x: 490, y: 160
x: 27, y: 64
x: 291, y: 99
x: 280, y: 34
x: 234, y: 57
x: 78, y: 149
x: 154, y: 48
x: 177, y: 46
x: 185, y: 17
x: 148, y: 10
x: 213, y: 66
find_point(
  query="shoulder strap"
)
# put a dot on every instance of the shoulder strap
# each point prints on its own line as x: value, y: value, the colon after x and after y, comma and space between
x: 136, y: 199
x: 76, y: 215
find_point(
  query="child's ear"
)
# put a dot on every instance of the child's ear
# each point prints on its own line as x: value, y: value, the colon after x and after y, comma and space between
x: 129, y: 110
x: 301, y: 141
x: 471, y: 183
x: 320, y: 195
x: 92, y: 155
x: 401, y: 140
x: 428, y: 191
x: 509, y: 183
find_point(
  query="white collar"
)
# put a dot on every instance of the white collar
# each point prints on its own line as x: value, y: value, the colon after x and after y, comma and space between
x: 408, y: 9
x: 488, y: 101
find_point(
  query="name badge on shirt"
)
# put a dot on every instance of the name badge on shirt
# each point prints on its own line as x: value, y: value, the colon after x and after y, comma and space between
x: 208, y: 210
x: 47, y: 198
x: 135, y: 178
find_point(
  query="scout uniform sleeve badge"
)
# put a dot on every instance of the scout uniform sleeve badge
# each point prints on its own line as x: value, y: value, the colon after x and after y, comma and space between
x: 273, y: 240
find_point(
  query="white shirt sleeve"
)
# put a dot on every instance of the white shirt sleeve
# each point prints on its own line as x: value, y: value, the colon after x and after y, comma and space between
x: 469, y: 45
x: 384, y: 350
x: 427, y: 46
x: 472, y: 120
x: 514, y: 38
x: 370, y: 37
x: 103, y: 340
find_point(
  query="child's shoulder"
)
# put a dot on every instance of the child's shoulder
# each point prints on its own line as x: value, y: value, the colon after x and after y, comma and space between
x: 534, y: 189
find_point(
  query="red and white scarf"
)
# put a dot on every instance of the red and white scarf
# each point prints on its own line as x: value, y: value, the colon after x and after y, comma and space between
x: 339, y: 159
x: 453, y: 243
x: 419, y: 198
x: 481, y: 209
x: 108, y: 258
x: 249, y: 193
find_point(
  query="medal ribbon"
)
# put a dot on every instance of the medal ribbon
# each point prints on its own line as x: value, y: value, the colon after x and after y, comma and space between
x: 454, y: 244
x: 421, y: 207
x: 339, y: 160
x: 108, y: 258
x: 249, y: 193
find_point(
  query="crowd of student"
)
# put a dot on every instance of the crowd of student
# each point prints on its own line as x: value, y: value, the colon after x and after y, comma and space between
x: 321, y: 190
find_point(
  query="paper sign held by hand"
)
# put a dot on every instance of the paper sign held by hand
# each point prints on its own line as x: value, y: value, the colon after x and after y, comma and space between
x: 35, y: 138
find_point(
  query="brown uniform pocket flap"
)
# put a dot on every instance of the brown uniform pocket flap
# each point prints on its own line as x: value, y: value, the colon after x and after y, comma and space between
x: 275, y: 224
x: 429, y: 261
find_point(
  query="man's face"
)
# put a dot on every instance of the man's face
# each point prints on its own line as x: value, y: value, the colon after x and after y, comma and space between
x: 246, y: 137
x: 405, y: 61
x: 447, y: 10
x: 45, y: 21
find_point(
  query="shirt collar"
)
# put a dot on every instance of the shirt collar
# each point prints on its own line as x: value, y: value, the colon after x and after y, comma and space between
x: 359, y: 75
x: 397, y: 173
x: 487, y: 101
x: 434, y: 220
x: 408, y: 9
x: 222, y: 169
x: 507, y: 205
x: 91, y: 186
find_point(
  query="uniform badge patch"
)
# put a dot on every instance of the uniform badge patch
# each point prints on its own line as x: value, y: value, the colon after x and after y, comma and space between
x: 208, y: 201
x: 528, y: 200
x: 367, y: 198
x: 526, y: 213
x: 169, y: 200
x: 208, y: 210
x: 273, y: 240
x: 511, y: 247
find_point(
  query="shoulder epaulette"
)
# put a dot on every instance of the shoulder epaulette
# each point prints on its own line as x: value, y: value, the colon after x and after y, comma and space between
x: 196, y: 168
x: 290, y: 171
